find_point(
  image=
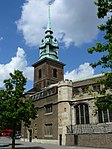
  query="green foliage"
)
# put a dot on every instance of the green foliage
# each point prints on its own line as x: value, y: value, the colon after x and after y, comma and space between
x: 105, y: 13
x: 104, y: 9
x: 14, y: 108
x: 104, y: 103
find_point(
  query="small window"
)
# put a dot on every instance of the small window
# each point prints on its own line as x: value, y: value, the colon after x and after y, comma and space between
x: 40, y: 73
x: 64, y: 109
x: 96, y: 87
x: 85, y: 89
x: 76, y: 91
x: 48, y: 129
x: 55, y: 73
x: 48, y: 108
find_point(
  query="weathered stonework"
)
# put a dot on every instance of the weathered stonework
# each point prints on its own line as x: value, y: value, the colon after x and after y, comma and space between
x: 64, y: 96
x: 63, y: 114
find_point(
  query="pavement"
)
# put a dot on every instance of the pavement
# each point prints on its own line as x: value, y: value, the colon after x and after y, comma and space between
x: 33, y: 145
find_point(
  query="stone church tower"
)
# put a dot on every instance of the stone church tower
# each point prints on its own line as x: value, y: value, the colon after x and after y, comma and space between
x: 48, y: 70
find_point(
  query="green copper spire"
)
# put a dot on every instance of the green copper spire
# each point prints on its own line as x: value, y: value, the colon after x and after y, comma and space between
x: 49, y: 46
x: 49, y: 18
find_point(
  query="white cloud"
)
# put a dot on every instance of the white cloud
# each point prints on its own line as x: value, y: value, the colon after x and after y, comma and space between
x: 18, y: 62
x: 1, y: 38
x: 72, y: 21
x: 83, y: 71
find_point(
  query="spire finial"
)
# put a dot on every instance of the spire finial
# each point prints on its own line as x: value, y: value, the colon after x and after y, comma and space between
x: 49, y: 17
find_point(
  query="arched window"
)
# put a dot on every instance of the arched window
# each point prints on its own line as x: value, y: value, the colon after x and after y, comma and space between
x: 40, y: 73
x: 104, y: 115
x: 55, y: 73
x: 82, y: 113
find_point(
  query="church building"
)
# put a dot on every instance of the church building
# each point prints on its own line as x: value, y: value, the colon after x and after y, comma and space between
x: 67, y: 114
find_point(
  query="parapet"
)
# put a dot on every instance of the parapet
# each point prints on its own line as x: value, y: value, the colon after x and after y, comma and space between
x: 66, y: 82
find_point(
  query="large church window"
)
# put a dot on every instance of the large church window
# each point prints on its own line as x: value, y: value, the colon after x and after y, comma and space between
x: 87, y: 114
x: 104, y: 115
x: 110, y: 115
x: 77, y: 114
x: 100, y: 116
x: 82, y: 114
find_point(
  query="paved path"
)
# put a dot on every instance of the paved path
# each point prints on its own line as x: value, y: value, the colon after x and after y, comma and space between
x: 23, y: 145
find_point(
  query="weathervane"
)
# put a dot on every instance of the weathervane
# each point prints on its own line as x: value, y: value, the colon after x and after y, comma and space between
x: 50, y: 3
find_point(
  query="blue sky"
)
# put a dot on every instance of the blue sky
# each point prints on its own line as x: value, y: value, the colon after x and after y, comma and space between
x: 22, y: 26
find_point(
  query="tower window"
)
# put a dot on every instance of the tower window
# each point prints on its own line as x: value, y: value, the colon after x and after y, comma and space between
x: 40, y: 73
x: 55, y: 73
x: 48, y: 108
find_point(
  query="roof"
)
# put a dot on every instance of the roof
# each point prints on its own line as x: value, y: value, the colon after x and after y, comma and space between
x: 89, y: 77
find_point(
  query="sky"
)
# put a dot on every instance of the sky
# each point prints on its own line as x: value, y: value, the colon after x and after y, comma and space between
x: 22, y: 27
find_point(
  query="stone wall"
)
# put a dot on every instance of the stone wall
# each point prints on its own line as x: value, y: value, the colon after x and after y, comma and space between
x: 90, y: 140
x: 71, y: 139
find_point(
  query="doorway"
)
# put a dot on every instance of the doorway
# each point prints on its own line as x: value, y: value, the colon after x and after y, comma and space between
x: 30, y: 135
x: 60, y: 139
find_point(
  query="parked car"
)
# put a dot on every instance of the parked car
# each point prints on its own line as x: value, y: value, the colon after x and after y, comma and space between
x: 18, y: 135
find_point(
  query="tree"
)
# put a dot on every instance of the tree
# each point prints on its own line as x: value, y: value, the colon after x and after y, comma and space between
x: 14, y: 108
x: 104, y: 12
